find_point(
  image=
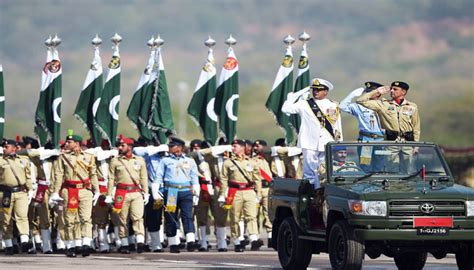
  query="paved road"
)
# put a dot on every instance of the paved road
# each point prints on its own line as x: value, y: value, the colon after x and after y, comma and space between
x: 265, y: 259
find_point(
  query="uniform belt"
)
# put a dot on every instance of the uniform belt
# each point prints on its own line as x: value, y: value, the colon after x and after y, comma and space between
x: 177, y: 186
x: 241, y: 186
x: 393, y: 135
x: 19, y: 188
x: 102, y: 183
x: 370, y: 135
x: 43, y: 182
x: 77, y: 184
x: 129, y: 188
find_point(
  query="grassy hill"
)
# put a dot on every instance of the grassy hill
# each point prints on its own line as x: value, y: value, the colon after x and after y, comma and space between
x: 429, y: 44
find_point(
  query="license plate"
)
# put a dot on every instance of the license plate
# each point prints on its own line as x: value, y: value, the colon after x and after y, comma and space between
x: 432, y: 231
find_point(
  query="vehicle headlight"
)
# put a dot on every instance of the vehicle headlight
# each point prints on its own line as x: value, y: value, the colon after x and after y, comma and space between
x: 470, y: 208
x: 369, y: 208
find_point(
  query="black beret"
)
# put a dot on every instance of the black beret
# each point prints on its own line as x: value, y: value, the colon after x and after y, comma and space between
x: 9, y: 142
x: 239, y: 142
x: 206, y: 144
x: 195, y: 143
x: 260, y: 142
x: 401, y: 84
x: 280, y: 142
x: 176, y: 141
x: 369, y: 86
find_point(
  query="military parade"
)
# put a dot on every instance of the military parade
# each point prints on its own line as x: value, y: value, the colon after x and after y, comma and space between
x: 74, y: 190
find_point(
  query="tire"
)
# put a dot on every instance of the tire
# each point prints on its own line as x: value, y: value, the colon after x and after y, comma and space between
x: 293, y: 253
x: 345, y: 252
x: 411, y: 260
x: 465, y: 257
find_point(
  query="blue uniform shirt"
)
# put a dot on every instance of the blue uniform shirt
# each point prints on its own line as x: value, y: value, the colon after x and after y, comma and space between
x: 152, y: 162
x: 177, y: 170
x: 367, y: 118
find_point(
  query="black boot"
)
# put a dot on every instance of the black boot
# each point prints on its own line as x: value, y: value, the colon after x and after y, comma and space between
x: 71, y: 252
x: 9, y: 251
x: 270, y: 245
x: 255, y: 245
x: 191, y: 246
x: 174, y: 249
x: 26, y: 246
x: 239, y: 248
x: 124, y: 249
x: 86, y: 251
x: 140, y: 247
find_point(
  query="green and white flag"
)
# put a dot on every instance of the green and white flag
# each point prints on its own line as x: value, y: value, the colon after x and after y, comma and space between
x: 161, y: 117
x: 139, y: 109
x: 48, y: 111
x: 226, y: 104
x: 302, y: 81
x: 89, y: 99
x: 281, y: 87
x: 107, y: 115
x: 2, y: 103
x: 201, y: 107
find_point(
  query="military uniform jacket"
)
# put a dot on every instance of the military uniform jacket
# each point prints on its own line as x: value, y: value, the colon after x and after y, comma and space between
x: 21, y: 166
x: 394, y: 117
x: 83, y: 165
x: 128, y: 171
x: 262, y: 164
x: 230, y: 172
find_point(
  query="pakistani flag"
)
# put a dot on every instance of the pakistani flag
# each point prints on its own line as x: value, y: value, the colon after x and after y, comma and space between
x: 302, y: 81
x: 89, y: 99
x: 48, y: 111
x: 226, y: 103
x: 139, y: 108
x: 107, y: 115
x: 281, y: 87
x: 160, y: 118
x: 2, y: 103
x: 201, y: 107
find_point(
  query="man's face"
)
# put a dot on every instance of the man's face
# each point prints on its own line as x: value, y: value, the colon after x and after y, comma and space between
x: 9, y: 149
x: 340, y: 156
x: 124, y: 148
x: 258, y: 148
x: 176, y: 149
x: 248, y: 149
x: 397, y: 92
x: 320, y: 94
x: 71, y: 145
x: 238, y: 149
x: 195, y: 148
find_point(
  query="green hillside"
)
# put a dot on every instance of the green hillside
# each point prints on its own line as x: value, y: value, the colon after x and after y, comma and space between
x: 429, y: 44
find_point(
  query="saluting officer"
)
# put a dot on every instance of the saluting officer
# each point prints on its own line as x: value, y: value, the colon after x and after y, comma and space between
x: 76, y: 178
x: 15, y: 182
x: 128, y: 183
x: 241, y: 177
x: 179, y: 176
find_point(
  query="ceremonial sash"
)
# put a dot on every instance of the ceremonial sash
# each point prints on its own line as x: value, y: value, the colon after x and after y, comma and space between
x: 39, y: 198
x: 229, y: 200
x: 171, y: 199
x: 206, y: 191
x: 73, y: 187
x: 103, y: 192
x: 265, y: 175
x: 325, y: 123
x: 120, y: 193
x: 7, y: 199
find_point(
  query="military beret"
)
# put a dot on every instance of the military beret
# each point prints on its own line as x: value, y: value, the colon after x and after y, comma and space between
x: 195, y: 143
x: 280, y: 142
x: 122, y: 140
x: 339, y: 148
x: 369, y: 86
x: 175, y: 141
x: 321, y: 84
x: 248, y: 142
x: 8, y: 142
x: 74, y: 137
x: 206, y: 144
x: 260, y: 142
x: 239, y: 142
x: 400, y: 84
x: 29, y: 140
x: 222, y: 141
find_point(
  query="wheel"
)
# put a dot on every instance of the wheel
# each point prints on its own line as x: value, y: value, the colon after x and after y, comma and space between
x: 411, y: 260
x: 293, y: 253
x: 345, y: 252
x: 349, y: 168
x: 465, y: 257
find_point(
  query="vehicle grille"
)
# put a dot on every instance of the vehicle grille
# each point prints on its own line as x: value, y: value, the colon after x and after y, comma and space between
x: 412, y: 208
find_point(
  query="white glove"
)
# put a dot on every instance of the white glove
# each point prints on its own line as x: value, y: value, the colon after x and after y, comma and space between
x: 146, y: 198
x: 31, y: 193
x: 221, y: 201
x: 34, y: 186
x: 155, y: 191
x: 219, y: 149
x: 109, y: 199
x: 95, y: 198
x: 195, y: 200
x: 54, y: 199
x: 257, y: 200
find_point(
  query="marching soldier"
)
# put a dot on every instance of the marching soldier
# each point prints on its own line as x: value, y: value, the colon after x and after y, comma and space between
x: 241, y: 176
x: 128, y: 183
x: 15, y: 184
x: 76, y: 178
x: 320, y: 124
x: 178, y: 174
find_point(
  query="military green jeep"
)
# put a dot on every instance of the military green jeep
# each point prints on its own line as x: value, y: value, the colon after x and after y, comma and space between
x: 393, y: 198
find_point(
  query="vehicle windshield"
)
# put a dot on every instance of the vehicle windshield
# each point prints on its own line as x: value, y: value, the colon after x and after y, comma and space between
x: 363, y: 161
